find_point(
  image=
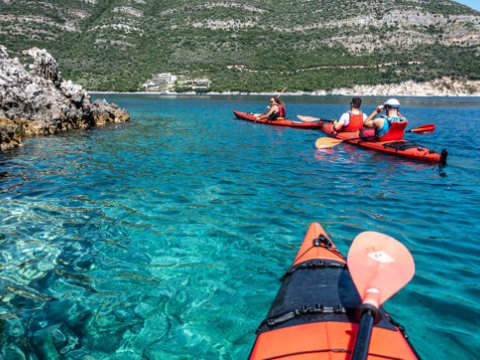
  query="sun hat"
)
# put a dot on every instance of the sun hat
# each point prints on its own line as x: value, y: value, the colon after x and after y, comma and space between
x: 393, y: 103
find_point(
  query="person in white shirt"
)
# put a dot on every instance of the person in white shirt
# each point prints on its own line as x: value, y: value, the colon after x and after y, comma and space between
x: 353, y: 119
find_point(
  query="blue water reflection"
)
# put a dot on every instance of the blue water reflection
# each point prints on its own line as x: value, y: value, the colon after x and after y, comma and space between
x: 164, y: 238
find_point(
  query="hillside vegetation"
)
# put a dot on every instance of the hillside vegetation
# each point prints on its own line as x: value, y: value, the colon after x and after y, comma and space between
x: 254, y: 45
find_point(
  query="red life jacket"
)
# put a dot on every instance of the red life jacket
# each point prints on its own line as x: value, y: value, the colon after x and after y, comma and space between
x: 282, y: 111
x: 395, y: 131
x: 355, y: 123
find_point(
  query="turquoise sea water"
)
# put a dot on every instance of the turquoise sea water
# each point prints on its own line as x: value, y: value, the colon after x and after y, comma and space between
x: 165, y: 238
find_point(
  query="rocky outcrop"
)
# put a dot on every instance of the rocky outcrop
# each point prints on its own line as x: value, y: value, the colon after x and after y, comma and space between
x: 103, y: 113
x: 444, y: 86
x: 10, y: 134
x: 37, y: 101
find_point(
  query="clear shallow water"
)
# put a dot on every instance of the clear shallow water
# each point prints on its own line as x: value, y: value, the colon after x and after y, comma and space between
x: 165, y: 238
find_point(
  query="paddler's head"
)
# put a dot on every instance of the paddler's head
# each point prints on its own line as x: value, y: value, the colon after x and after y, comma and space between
x: 356, y: 103
x: 391, y: 104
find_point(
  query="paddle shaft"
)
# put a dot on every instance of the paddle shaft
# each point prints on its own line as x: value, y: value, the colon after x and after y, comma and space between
x: 364, y: 334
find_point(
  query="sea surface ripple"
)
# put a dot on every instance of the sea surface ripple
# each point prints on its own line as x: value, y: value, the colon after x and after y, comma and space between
x: 165, y: 238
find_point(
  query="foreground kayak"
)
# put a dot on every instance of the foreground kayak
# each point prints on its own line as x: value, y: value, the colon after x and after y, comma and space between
x: 403, y: 148
x: 290, y: 123
x: 313, y: 315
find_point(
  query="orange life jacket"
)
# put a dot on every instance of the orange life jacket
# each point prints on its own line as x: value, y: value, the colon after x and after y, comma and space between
x: 395, y: 131
x: 355, y: 123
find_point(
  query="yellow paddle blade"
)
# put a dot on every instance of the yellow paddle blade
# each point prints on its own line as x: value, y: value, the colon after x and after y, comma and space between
x: 308, y: 118
x: 326, y: 142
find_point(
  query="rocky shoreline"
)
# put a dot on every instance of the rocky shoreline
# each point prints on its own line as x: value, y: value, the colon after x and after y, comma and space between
x: 443, y: 87
x: 38, y: 101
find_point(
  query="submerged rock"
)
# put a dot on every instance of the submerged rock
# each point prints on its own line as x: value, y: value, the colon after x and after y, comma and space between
x: 10, y: 134
x: 12, y: 352
x: 54, y: 341
x: 38, y: 101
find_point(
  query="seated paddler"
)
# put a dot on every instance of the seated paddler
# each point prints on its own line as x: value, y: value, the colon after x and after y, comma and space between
x: 352, y: 119
x: 390, y: 126
x: 276, y: 110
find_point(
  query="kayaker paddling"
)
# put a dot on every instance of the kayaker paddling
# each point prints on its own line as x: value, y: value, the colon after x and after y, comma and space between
x: 276, y: 110
x: 353, y: 119
x: 279, y: 122
x: 392, y: 124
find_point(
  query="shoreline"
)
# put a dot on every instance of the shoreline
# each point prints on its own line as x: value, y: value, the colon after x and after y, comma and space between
x: 312, y: 94
x: 441, y: 87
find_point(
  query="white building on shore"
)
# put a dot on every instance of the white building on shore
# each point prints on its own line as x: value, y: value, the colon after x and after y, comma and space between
x: 170, y: 82
x: 161, y: 82
x: 195, y: 84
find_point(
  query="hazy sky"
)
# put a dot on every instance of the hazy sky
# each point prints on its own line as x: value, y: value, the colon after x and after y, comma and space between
x: 474, y: 4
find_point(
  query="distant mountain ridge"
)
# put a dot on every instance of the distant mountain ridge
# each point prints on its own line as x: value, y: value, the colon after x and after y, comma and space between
x: 249, y: 45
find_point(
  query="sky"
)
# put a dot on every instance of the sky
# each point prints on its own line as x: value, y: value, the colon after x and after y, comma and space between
x: 474, y: 4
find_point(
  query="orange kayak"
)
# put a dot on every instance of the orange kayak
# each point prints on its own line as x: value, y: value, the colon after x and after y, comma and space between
x: 313, y: 315
x: 280, y: 122
x: 403, y: 148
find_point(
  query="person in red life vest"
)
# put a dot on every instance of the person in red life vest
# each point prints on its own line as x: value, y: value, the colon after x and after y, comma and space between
x: 282, y: 109
x: 385, y: 127
x: 353, y: 119
x: 276, y: 110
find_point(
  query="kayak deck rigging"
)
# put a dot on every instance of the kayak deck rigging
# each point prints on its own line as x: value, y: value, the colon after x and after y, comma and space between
x: 314, y: 313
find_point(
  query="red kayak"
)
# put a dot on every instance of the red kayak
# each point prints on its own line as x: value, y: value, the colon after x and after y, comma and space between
x: 314, y: 313
x: 403, y: 148
x: 279, y: 122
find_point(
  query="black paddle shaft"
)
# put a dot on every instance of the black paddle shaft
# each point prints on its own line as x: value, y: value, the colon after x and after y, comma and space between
x: 364, y: 334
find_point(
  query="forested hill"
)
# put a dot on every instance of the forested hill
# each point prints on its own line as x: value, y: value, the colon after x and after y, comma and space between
x: 248, y: 45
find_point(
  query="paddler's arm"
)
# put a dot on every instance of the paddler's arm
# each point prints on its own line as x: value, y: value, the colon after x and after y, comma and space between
x: 337, y: 126
x: 340, y: 123
x: 267, y: 115
x: 369, y: 121
x: 272, y: 110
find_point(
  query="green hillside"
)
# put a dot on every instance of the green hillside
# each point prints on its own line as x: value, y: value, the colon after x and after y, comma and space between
x: 248, y: 45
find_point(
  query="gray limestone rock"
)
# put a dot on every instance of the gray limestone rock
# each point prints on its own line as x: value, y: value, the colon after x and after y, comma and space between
x: 39, y: 102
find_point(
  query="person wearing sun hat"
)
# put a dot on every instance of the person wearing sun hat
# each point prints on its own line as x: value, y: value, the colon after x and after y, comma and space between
x: 382, y: 124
